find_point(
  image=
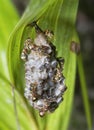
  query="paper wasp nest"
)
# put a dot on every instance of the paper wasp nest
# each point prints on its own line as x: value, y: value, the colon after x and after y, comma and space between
x: 43, y: 73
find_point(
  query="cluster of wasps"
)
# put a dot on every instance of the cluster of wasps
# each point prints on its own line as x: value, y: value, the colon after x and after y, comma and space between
x: 45, y: 83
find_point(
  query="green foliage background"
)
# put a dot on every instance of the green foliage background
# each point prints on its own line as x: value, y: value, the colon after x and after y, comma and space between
x: 56, y: 15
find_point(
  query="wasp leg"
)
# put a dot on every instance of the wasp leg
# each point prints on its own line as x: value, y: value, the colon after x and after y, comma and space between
x: 37, y: 28
x: 61, y: 62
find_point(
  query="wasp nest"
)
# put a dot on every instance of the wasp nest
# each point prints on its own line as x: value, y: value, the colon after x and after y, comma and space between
x: 43, y: 73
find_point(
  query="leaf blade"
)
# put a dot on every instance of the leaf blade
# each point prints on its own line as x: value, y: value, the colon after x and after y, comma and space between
x: 84, y: 91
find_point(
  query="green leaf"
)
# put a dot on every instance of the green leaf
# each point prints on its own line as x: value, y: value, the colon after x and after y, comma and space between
x: 13, y: 115
x: 58, y: 16
x: 7, y: 117
x: 8, y: 19
x: 5, y: 99
x: 84, y: 92
x: 7, y: 16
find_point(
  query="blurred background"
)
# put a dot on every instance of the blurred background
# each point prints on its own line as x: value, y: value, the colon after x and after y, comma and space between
x: 85, y: 28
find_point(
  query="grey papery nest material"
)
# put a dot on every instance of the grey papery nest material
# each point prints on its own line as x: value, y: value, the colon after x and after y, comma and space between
x: 43, y: 73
